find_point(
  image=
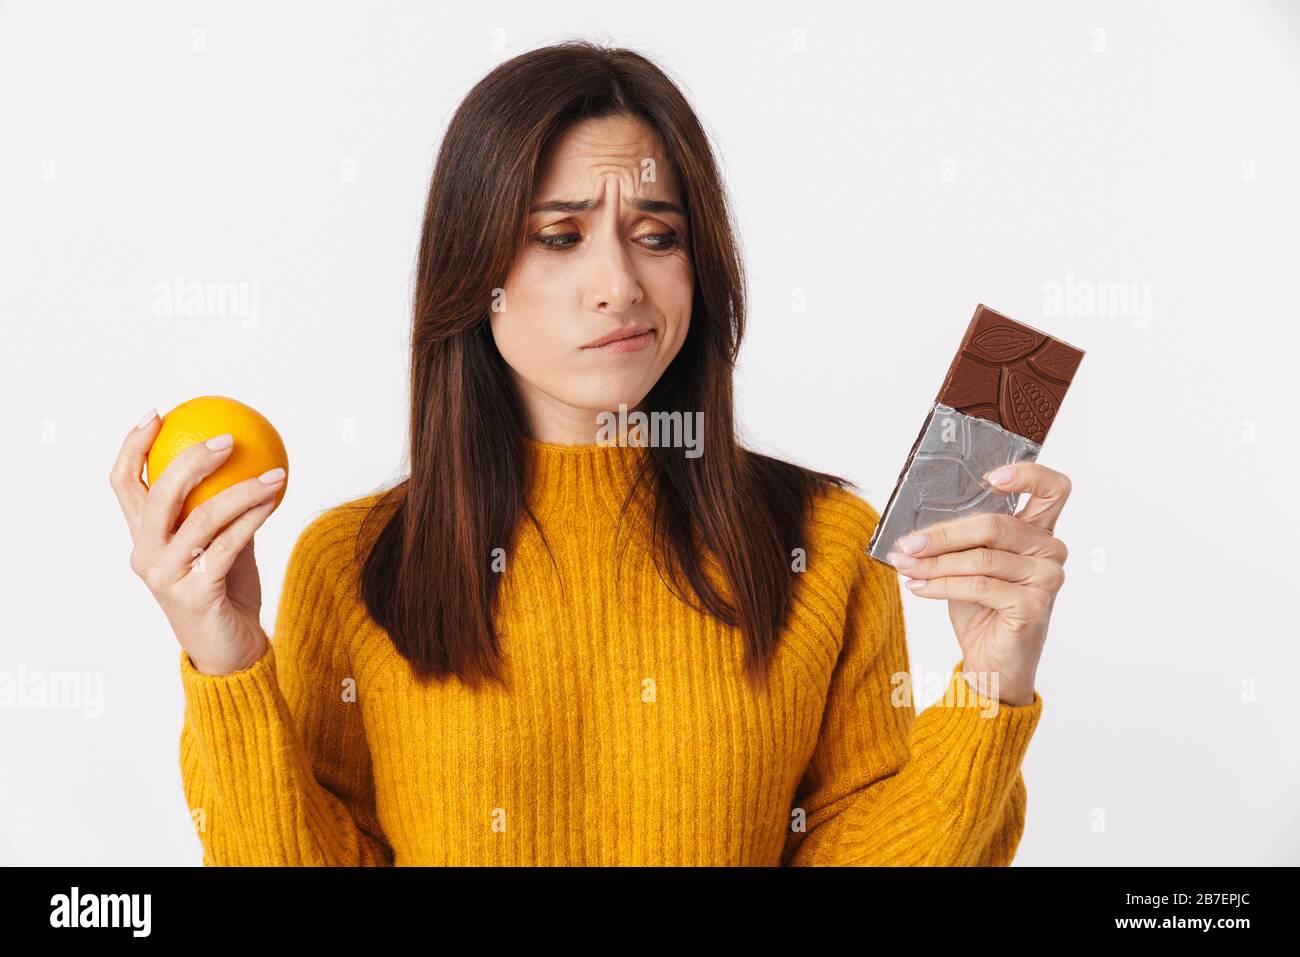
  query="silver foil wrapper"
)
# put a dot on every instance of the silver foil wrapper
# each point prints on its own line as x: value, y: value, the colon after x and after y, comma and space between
x: 943, y: 478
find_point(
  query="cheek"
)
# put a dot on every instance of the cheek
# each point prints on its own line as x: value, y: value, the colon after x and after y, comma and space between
x: 526, y: 324
x: 671, y: 290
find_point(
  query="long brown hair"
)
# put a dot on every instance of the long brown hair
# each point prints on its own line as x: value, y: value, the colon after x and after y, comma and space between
x: 426, y: 576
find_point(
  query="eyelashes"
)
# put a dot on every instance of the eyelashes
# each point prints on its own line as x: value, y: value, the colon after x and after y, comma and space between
x: 664, y: 241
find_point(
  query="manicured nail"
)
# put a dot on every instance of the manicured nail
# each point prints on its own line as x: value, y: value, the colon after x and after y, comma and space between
x: 900, y: 561
x: 271, y: 477
x: 916, y: 583
x: 219, y: 442
x: 149, y: 417
x: 913, y: 543
x: 1000, y: 476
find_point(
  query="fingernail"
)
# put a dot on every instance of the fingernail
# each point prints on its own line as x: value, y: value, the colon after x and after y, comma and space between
x: 915, y: 583
x: 148, y: 417
x: 1000, y: 476
x: 223, y: 441
x: 900, y: 561
x: 913, y: 543
x: 271, y: 477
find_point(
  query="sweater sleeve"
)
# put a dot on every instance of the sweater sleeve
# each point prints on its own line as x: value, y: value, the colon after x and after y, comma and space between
x: 887, y: 787
x: 274, y: 760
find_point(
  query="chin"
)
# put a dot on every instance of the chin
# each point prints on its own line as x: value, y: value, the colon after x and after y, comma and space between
x: 607, y: 396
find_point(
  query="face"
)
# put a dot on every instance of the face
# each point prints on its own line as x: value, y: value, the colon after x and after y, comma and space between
x: 606, y: 254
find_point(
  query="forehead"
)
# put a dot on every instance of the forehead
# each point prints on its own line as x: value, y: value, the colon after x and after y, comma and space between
x: 582, y: 157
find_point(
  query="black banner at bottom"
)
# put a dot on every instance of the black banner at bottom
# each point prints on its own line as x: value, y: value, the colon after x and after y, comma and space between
x: 1000, y: 907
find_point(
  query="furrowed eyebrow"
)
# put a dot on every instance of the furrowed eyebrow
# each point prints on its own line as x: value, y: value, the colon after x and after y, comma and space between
x: 583, y: 205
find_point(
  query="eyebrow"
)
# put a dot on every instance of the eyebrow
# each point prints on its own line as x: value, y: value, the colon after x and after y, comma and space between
x: 582, y: 205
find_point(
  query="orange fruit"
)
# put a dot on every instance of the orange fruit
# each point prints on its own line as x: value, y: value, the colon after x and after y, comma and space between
x: 258, y: 446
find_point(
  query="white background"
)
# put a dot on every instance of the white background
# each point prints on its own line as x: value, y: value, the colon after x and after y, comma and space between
x: 890, y: 165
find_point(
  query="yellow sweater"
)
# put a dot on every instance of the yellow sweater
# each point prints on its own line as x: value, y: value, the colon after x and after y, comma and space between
x: 630, y: 735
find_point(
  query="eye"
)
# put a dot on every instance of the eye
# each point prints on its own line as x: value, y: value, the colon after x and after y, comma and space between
x: 557, y: 240
x: 663, y: 240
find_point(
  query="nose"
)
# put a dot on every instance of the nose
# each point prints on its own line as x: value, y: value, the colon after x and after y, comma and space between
x: 611, y: 284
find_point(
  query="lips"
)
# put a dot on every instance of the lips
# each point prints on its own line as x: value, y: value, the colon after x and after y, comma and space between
x: 627, y: 332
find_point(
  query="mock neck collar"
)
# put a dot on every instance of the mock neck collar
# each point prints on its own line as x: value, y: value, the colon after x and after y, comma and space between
x: 581, y: 480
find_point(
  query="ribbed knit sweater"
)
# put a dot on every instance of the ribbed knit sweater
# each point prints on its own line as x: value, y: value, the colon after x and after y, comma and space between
x: 629, y: 735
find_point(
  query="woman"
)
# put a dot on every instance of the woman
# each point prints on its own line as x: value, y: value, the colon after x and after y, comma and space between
x: 563, y: 640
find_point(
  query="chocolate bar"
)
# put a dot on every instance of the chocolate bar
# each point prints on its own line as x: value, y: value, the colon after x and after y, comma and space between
x: 996, y: 405
x: 1010, y: 374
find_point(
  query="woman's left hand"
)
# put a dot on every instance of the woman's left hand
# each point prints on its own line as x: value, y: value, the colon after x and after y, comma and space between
x: 1000, y: 574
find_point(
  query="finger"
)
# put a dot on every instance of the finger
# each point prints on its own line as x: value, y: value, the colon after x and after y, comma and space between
x: 1048, y: 490
x: 169, y: 490
x: 125, y: 475
x: 219, y: 557
x: 989, y: 562
x: 204, y: 524
x: 1005, y: 532
x: 977, y: 589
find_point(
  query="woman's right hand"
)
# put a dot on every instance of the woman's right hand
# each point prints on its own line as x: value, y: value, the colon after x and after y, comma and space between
x: 203, y: 573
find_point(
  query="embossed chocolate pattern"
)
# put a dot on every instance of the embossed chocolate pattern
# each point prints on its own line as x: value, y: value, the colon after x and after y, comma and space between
x: 1010, y: 374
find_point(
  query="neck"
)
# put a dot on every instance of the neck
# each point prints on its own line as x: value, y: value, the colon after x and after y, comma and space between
x: 581, y: 480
